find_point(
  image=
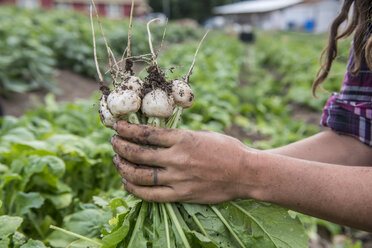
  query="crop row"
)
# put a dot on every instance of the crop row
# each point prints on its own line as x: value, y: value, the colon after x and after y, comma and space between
x: 34, y: 42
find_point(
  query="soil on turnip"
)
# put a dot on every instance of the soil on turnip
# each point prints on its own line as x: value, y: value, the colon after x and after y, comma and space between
x: 156, y: 80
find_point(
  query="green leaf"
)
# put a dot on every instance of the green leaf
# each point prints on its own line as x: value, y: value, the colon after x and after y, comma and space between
x: 33, y: 244
x: 100, y: 201
x: 18, y: 135
x: 87, y: 222
x: 82, y: 244
x: 198, y: 240
x: 122, y: 224
x: 8, y: 225
x: 266, y: 224
x: 59, y: 201
x: 26, y: 201
x: 163, y: 236
x: 18, y: 239
x: 137, y: 237
x: 4, y: 242
x: 210, y: 222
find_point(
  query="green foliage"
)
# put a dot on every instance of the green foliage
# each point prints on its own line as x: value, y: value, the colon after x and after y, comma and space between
x: 56, y: 159
x: 295, y: 59
x: 277, y: 82
x: 255, y: 224
x: 214, y: 78
x: 52, y: 159
x: 57, y: 170
x: 35, y: 41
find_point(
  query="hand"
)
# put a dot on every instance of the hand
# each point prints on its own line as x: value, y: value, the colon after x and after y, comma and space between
x: 190, y: 166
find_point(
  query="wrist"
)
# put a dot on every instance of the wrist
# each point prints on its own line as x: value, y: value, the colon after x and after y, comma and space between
x: 253, y: 177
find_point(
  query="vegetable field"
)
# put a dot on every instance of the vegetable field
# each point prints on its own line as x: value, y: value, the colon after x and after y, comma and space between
x: 56, y: 161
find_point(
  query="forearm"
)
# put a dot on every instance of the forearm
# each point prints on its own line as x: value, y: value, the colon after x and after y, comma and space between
x: 329, y: 147
x: 341, y: 194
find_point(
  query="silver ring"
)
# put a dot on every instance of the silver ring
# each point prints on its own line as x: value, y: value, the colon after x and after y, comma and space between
x: 155, y: 176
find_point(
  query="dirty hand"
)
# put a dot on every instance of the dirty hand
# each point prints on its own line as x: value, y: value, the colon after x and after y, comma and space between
x: 169, y: 165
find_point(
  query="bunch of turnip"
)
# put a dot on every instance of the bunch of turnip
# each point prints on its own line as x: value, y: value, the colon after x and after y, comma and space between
x: 154, y: 101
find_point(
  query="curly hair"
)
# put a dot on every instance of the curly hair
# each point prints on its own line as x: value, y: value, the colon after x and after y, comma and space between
x: 361, y: 26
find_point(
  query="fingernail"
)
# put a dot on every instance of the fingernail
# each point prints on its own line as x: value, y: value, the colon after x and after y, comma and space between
x: 124, y: 181
x: 115, y: 125
x: 116, y: 159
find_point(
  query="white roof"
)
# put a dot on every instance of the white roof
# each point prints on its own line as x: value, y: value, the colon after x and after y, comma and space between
x: 255, y: 6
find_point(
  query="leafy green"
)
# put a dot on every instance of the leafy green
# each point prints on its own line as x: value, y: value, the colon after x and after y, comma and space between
x: 56, y: 166
x: 8, y: 225
x: 35, y: 41
x: 26, y: 201
x: 33, y: 244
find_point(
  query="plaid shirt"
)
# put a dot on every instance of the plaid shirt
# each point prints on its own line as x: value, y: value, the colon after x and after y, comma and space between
x: 350, y: 111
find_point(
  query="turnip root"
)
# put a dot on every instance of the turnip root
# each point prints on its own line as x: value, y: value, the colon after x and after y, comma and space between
x: 182, y: 94
x: 134, y: 83
x: 123, y: 102
x: 106, y: 117
x: 158, y: 103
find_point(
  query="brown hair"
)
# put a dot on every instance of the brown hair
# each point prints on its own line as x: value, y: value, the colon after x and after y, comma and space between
x: 360, y: 24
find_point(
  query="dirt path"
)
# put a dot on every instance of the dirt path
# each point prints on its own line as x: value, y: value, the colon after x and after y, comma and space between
x: 71, y: 86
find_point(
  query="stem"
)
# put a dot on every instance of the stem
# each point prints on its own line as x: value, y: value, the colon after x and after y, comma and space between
x: 166, y: 224
x: 139, y: 222
x: 151, y: 233
x: 115, y: 64
x: 94, y: 46
x: 150, y: 120
x: 76, y: 235
x: 103, y: 34
x: 130, y: 29
x: 173, y: 122
x: 156, y: 122
x: 162, y: 40
x: 36, y: 225
x: 156, y: 218
x: 193, y: 61
x: 150, y: 41
x: 133, y: 118
x: 218, y: 213
x: 196, y: 220
x: 143, y: 119
x: 254, y: 219
x: 13, y: 196
x: 177, y: 224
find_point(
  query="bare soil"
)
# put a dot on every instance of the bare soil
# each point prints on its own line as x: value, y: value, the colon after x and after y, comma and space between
x: 242, y: 134
x: 71, y: 86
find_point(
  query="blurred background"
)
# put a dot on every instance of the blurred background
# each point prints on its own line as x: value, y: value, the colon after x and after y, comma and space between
x: 252, y: 80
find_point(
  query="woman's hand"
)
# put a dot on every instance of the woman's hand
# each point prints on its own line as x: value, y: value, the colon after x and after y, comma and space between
x: 168, y: 165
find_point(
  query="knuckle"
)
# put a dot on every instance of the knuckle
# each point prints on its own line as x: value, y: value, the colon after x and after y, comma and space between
x: 128, y: 187
x: 138, y: 178
x: 188, y: 137
x: 186, y: 192
x: 187, y: 195
x: 185, y: 160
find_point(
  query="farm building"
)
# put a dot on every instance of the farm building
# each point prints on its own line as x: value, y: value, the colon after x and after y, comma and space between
x: 309, y: 15
x: 108, y: 8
